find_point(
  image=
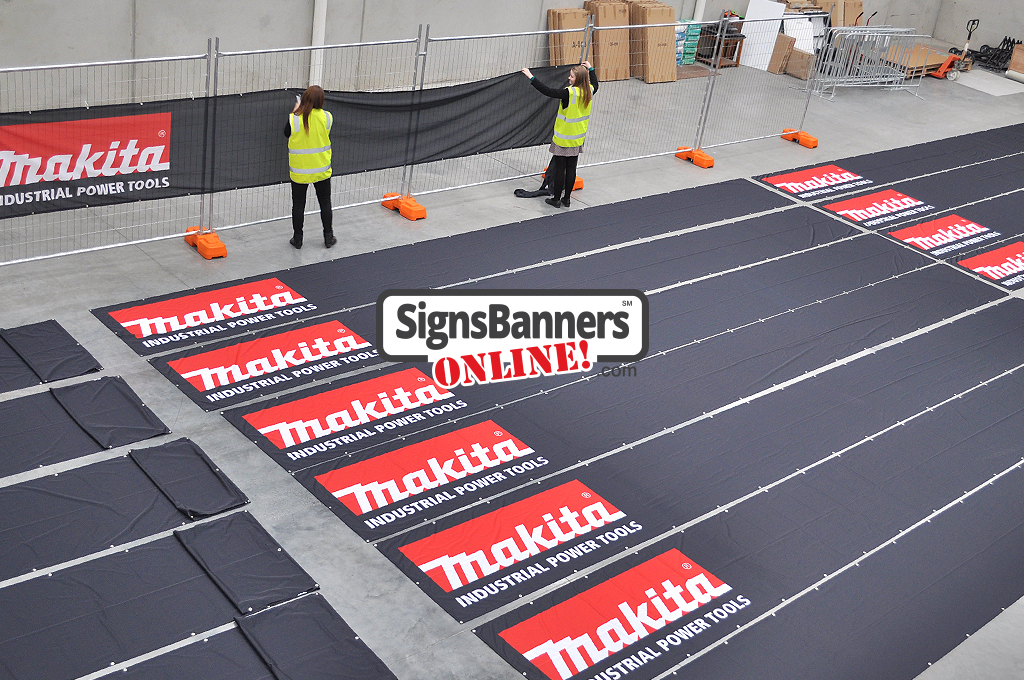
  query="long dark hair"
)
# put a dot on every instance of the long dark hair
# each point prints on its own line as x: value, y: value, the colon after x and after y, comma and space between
x: 312, y: 98
x: 582, y: 81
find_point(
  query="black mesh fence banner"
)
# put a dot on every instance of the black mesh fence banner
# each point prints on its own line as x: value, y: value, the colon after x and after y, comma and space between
x: 74, y: 158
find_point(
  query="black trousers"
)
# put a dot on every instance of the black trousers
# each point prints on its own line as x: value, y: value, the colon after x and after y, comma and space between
x: 323, y: 196
x: 562, y: 172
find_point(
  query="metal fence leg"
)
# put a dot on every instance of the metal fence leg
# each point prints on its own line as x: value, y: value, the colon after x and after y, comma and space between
x: 716, y: 61
x: 417, y: 97
x: 213, y: 128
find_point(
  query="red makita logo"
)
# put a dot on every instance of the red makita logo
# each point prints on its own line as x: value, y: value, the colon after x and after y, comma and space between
x: 586, y: 629
x: 874, y: 205
x: 480, y: 547
x: 225, y: 304
x: 998, y: 264
x: 337, y: 410
x: 223, y: 367
x: 409, y: 471
x: 813, y: 179
x: 70, y: 150
x: 938, y: 233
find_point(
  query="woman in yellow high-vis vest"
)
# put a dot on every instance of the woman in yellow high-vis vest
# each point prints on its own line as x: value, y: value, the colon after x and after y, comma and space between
x: 309, y: 161
x: 570, y: 128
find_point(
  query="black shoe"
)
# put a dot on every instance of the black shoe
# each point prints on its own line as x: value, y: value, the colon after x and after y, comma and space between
x: 554, y: 202
x: 565, y: 201
x: 329, y: 240
x: 296, y: 241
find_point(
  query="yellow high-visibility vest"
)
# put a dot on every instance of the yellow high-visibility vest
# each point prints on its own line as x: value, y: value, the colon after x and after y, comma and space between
x: 571, y: 123
x: 309, y: 153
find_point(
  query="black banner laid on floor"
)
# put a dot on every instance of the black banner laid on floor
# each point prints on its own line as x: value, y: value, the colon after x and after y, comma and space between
x: 50, y: 351
x: 305, y: 638
x: 228, y: 373
x: 245, y: 562
x: 73, y: 158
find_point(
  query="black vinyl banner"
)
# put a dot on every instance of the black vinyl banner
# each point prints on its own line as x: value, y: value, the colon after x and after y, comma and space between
x: 228, y: 373
x: 73, y: 158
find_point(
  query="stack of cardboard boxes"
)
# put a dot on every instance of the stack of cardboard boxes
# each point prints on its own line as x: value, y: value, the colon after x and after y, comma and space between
x: 846, y: 12
x: 652, y: 50
x: 610, y: 54
x: 619, y: 52
x: 566, y: 48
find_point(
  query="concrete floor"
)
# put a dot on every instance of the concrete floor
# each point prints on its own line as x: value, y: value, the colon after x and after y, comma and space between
x: 411, y: 634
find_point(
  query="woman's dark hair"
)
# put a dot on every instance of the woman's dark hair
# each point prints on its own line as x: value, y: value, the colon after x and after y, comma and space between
x: 312, y: 98
x: 582, y: 81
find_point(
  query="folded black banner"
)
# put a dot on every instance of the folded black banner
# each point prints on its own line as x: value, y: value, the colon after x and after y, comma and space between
x: 72, y: 158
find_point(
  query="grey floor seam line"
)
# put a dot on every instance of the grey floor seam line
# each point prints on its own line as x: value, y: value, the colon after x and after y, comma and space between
x: 651, y: 355
x: 855, y: 563
x: 125, y: 665
x: 81, y: 461
x: 731, y: 504
x: 607, y: 454
x: 114, y: 549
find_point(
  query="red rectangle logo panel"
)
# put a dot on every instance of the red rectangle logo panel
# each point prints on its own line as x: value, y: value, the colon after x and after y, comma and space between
x: 820, y: 181
x: 458, y: 556
x: 879, y: 208
x: 230, y: 307
x: 409, y: 471
x: 71, y: 150
x: 321, y: 415
x: 1005, y: 265
x: 584, y: 630
x: 266, y: 356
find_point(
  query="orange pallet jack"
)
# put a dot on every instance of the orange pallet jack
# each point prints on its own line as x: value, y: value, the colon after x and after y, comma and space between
x: 955, y: 63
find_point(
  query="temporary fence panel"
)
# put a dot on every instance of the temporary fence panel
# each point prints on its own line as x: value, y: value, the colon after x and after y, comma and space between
x: 52, y: 95
x: 386, y: 66
x: 874, y: 56
x: 652, y: 88
x: 760, y: 86
x: 456, y: 60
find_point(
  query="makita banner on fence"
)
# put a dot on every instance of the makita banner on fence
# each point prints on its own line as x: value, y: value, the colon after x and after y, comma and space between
x: 73, y: 158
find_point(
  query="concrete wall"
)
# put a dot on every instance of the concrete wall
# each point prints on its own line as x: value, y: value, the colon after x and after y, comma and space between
x: 40, y: 32
x: 998, y: 19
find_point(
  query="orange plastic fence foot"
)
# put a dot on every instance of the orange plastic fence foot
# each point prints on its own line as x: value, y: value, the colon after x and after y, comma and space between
x: 410, y: 209
x: 695, y: 156
x: 209, y: 246
x: 391, y: 201
x: 800, y: 137
x: 575, y: 187
x: 191, y: 234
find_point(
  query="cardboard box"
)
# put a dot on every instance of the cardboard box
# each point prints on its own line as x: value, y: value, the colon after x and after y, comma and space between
x: 565, y: 48
x: 800, y: 64
x: 784, y: 46
x: 846, y: 12
x: 1017, y: 60
x: 658, y: 45
x: 610, y: 52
